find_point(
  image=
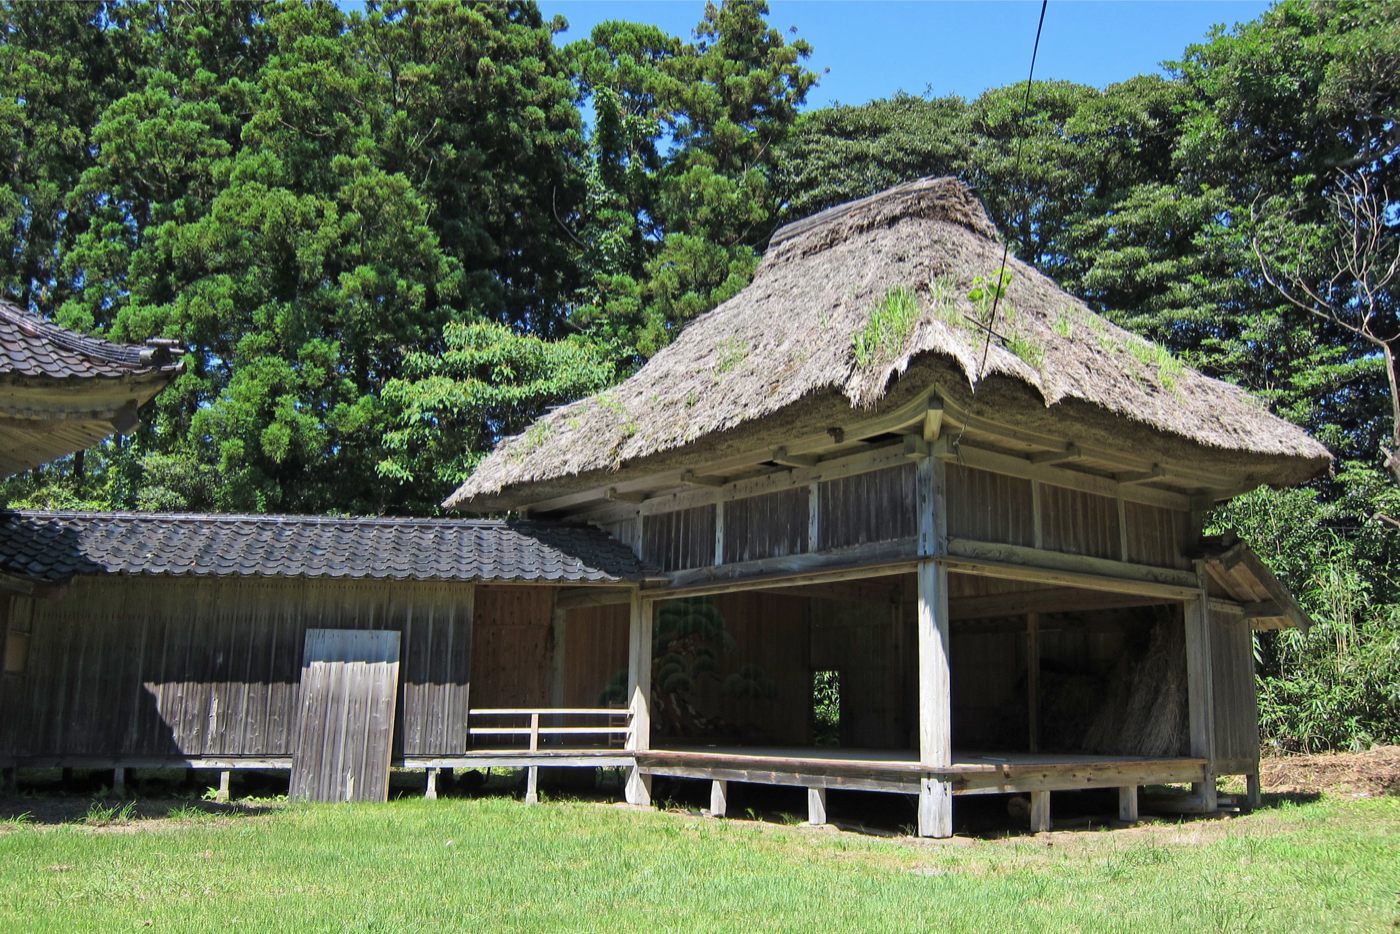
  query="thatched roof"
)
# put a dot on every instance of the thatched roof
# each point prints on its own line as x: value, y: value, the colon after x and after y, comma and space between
x: 782, y: 356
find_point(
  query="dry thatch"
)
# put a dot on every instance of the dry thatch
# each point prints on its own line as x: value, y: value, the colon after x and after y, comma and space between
x: 782, y: 357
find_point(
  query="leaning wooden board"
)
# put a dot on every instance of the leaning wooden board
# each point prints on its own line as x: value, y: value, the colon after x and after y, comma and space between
x: 345, y: 726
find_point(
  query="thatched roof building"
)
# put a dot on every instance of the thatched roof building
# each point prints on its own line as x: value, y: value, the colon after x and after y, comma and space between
x: 862, y: 309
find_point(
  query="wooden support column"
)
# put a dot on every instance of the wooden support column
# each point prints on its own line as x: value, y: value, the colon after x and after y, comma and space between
x: 816, y: 806
x: 1033, y: 681
x: 639, y: 691
x: 225, y: 780
x: 430, y: 785
x: 532, y: 785
x: 1128, y: 804
x: 557, y: 637
x: 1252, y: 797
x: 719, y: 797
x: 935, y: 687
x: 1040, y: 812
x: 719, y: 532
x: 1201, y: 713
x: 118, y: 781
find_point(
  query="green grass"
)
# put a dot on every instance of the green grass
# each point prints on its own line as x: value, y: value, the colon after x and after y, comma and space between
x: 493, y: 863
x: 888, y: 328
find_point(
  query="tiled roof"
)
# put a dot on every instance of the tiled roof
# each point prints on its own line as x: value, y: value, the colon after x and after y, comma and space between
x: 30, y: 346
x: 51, y: 547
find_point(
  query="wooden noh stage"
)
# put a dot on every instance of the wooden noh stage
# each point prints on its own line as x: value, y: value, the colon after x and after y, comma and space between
x: 804, y: 545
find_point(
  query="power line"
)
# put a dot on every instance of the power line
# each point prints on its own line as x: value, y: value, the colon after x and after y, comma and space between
x: 999, y: 285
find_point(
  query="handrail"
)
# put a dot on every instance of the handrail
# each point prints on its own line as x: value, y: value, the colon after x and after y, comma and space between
x: 535, y: 730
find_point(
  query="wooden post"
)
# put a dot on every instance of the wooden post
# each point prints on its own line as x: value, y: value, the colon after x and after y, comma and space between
x: 816, y: 806
x: 1252, y: 797
x: 430, y: 791
x: 719, y: 532
x: 814, y: 516
x: 639, y: 691
x: 1040, y: 812
x: 1033, y: 682
x: 935, y: 688
x: 719, y: 797
x: 1201, y: 714
x: 558, y: 621
x: 532, y: 785
x: 1128, y: 804
x: 118, y: 781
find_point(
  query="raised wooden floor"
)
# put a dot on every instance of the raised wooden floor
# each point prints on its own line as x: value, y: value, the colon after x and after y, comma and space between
x: 900, y: 772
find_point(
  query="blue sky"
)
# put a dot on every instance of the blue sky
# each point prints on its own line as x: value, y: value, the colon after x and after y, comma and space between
x: 874, y: 48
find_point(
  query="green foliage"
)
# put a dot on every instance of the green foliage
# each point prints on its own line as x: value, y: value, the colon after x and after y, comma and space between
x: 826, y: 708
x: 887, y: 330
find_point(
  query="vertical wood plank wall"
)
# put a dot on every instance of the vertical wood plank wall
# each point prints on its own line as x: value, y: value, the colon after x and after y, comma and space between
x: 879, y: 506
x: 510, y: 664
x: 1235, y: 703
x: 198, y: 668
x: 768, y: 526
x: 595, y: 656
x: 674, y: 541
x: 989, y: 507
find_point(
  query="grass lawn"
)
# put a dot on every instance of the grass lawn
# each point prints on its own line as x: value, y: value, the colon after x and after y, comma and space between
x: 495, y: 863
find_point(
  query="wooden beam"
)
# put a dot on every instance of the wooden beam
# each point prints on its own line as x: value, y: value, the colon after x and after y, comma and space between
x: 1070, y: 452
x: 719, y: 797
x: 781, y: 457
x: 1015, y: 562
x: 1040, y: 812
x: 933, y: 419
x: 1155, y: 472
x: 915, y: 448
x: 1199, y: 694
x: 626, y: 496
x: 1033, y: 681
x: 577, y: 598
x: 1128, y: 804
x: 934, y: 677
x: 638, y: 789
x: 690, y: 478
x: 870, y: 560
x: 1044, y: 600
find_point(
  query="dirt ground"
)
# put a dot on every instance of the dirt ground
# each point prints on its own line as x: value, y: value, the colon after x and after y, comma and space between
x: 1370, y: 773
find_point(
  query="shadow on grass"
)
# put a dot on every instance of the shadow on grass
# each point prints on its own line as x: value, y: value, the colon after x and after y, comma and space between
x: 50, y: 808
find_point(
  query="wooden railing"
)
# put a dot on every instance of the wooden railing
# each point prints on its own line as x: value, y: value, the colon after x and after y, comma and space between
x: 600, y: 723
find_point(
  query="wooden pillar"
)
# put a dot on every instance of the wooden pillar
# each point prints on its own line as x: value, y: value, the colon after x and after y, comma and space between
x: 639, y: 691
x: 430, y: 789
x: 225, y: 781
x: 816, y: 806
x: 1040, y: 812
x: 118, y: 781
x: 1033, y: 681
x: 1252, y: 797
x: 1201, y: 713
x: 532, y: 785
x: 557, y: 637
x: 934, y: 677
x: 1128, y: 804
x: 719, y: 797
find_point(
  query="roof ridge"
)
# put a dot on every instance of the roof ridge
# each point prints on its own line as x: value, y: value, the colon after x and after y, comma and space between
x: 297, y: 518
x: 155, y: 353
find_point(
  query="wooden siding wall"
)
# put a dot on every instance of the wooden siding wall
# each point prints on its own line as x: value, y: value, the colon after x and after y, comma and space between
x: 989, y: 688
x: 594, y: 654
x: 768, y: 526
x: 869, y: 644
x: 1235, y: 701
x: 989, y: 507
x: 1157, y: 536
x: 878, y: 506
x: 675, y: 541
x: 510, y: 664
x: 134, y: 667
x: 1079, y: 523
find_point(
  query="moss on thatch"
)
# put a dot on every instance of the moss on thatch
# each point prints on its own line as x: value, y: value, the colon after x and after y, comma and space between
x: 786, y: 354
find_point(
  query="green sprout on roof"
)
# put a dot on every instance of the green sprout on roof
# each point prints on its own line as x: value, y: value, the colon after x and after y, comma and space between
x: 732, y: 352
x: 888, y: 328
